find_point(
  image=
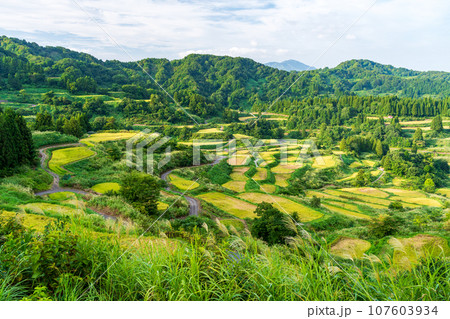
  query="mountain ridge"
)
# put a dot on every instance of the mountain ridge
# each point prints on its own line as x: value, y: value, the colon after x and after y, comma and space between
x: 235, y: 82
x: 290, y: 65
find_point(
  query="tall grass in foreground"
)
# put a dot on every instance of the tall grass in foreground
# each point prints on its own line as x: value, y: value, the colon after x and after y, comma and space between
x: 211, y: 267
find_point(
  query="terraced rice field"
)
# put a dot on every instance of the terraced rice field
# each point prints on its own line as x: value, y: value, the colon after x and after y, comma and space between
x: 368, y: 191
x: 229, y: 204
x: 404, y: 192
x: 209, y: 131
x: 350, y: 248
x: 374, y: 202
x: 322, y: 162
x: 236, y: 186
x: 40, y: 208
x: 182, y: 183
x: 239, y: 160
x: 241, y: 136
x: 268, y: 188
x: 305, y: 213
x: 106, y: 187
x: 284, y: 169
x: 281, y: 179
x: 62, y: 196
x: 106, y: 137
x: 348, y: 177
x: 238, y: 173
x: 261, y: 174
x: 355, y: 165
x: 267, y: 157
x: 30, y: 221
x: 421, y: 201
x: 369, y: 163
x: 66, y: 156
x: 375, y: 173
x: 444, y: 192
x: 408, y: 251
x: 337, y: 207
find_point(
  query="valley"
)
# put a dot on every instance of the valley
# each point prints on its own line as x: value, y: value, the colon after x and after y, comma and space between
x: 110, y: 190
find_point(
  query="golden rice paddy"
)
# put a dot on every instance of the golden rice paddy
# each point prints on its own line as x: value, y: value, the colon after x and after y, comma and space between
x: 369, y: 191
x: 261, y: 174
x: 268, y: 188
x: 106, y: 137
x: 343, y: 211
x: 40, y: 208
x: 229, y: 204
x: 236, y: 186
x: 182, y: 183
x: 281, y: 179
x: 106, y: 187
x: 66, y: 156
x: 238, y: 173
x: 324, y: 162
x: 285, y: 205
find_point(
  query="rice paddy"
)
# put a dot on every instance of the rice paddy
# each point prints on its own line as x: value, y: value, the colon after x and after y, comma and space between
x: 362, y: 198
x: 404, y: 192
x: 40, y: 208
x: 238, y: 173
x: 284, y: 169
x: 322, y: 162
x: 182, y: 183
x: 337, y: 207
x: 236, y: 186
x: 444, y: 192
x: 241, y: 136
x: 268, y: 188
x: 350, y: 248
x: 209, y: 131
x: 285, y: 205
x: 106, y: 137
x: 66, y: 156
x: 366, y: 191
x: 62, y: 196
x: 239, y: 160
x: 281, y: 179
x: 261, y: 174
x: 422, y: 201
x: 229, y: 204
x: 106, y: 187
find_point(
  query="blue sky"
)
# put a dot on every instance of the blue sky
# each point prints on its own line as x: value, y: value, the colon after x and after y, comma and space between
x: 408, y: 33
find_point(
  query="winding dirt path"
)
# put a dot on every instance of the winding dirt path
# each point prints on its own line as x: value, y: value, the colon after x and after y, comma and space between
x: 55, y: 185
x: 194, y: 203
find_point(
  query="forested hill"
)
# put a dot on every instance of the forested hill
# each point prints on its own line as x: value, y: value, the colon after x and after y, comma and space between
x: 222, y: 81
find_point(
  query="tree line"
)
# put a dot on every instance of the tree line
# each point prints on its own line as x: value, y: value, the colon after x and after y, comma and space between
x: 16, y: 144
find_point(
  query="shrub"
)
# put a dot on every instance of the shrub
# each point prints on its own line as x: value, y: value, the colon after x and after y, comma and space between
x: 50, y: 138
x: 220, y: 173
x: 273, y: 226
x: 396, y: 205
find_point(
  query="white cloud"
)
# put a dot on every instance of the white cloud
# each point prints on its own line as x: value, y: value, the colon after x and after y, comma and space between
x: 400, y: 32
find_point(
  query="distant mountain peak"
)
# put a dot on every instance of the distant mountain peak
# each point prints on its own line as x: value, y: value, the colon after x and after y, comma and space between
x: 290, y: 65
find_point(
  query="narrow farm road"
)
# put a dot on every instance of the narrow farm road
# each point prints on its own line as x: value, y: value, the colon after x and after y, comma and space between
x: 194, y: 203
x: 55, y: 185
